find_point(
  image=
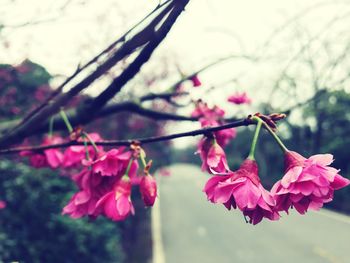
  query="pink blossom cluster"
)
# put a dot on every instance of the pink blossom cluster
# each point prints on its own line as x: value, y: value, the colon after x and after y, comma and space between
x: 211, y: 117
x: 306, y: 185
x: 104, y: 181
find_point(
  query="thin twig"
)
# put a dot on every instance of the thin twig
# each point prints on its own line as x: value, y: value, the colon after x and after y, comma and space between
x: 203, y: 131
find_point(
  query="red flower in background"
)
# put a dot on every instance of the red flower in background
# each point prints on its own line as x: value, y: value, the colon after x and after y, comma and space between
x: 2, y: 204
x: 239, y: 98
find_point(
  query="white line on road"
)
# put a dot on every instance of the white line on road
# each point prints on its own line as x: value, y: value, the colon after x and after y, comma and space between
x: 333, y: 215
x: 158, y: 250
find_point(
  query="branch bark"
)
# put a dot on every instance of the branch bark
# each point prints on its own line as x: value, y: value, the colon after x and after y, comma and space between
x: 203, y: 131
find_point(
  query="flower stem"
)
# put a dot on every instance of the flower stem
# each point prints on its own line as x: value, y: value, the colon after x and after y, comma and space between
x: 143, y: 160
x: 128, y: 168
x: 277, y: 139
x: 52, y: 120
x: 86, y: 149
x: 91, y: 141
x: 255, y: 138
x: 66, y: 121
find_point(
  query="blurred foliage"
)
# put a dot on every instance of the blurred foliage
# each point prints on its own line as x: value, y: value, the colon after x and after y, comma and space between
x: 32, y: 228
x: 17, y: 82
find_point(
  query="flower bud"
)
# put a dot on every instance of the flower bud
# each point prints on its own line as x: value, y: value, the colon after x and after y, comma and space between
x: 148, y: 189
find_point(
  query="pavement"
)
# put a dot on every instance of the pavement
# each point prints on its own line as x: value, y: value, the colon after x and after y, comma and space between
x: 188, y: 228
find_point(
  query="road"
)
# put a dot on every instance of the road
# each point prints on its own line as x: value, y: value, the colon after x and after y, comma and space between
x: 193, y: 230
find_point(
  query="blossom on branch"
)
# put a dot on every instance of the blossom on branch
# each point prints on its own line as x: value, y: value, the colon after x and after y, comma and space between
x: 112, y: 163
x: 212, y: 117
x: 242, y: 189
x: 117, y: 204
x: 212, y: 155
x: 307, y: 183
x: 74, y: 155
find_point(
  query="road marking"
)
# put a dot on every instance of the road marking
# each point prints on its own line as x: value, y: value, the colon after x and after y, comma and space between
x: 333, y: 215
x: 325, y: 254
x: 157, y: 248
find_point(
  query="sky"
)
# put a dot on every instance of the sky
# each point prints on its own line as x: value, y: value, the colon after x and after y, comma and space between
x: 208, y: 28
x: 64, y: 33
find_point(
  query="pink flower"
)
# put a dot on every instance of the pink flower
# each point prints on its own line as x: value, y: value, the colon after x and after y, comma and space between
x: 240, y: 98
x: 37, y: 160
x: 74, y: 155
x: 81, y: 204
x: 91, y: 188
x: 211, y: 117
x: 195, y: 81
x: 54, y: 156
x: 112, y: 163
x: 243, y: 189
x: 200, y: 109
x: 148, y: 190
x: 213, y: 156
x: 48, y: 158
x: 223, y: 137
x: 2, y: 204
x: 307, y: 183
x: 117, y: 204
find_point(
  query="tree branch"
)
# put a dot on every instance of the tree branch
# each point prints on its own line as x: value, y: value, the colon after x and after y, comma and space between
x: 136, y: 41
x: 140, y: 60
x: 203, y: 131
x: 89, y: 63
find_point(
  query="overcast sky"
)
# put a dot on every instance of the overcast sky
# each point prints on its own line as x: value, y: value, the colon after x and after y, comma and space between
x: 73, y: 31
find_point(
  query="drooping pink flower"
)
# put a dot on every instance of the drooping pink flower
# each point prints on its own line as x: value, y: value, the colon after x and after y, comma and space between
x: 74, y: 155
x: 242, y: 189
x: 195, y: 81
x: 148, y: 190
x: 239, y: 98
x: 2, y: 204
x: 307, y: 183
x: 81, y: 204
x: 112, y: 163
x: 92, y: 187
x: 117, y: 204
x: 212, y: 155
